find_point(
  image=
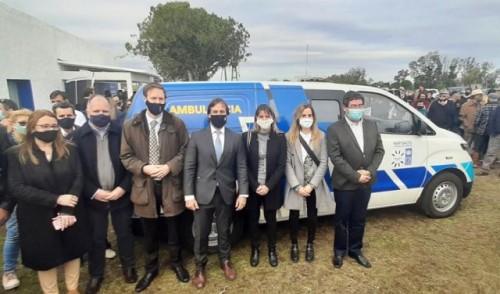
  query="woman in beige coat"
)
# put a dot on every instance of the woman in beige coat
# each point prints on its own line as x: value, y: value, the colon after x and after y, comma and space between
x: 305, y: 177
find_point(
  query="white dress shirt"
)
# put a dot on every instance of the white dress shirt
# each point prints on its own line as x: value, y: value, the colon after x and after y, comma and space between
x: 357, y: 130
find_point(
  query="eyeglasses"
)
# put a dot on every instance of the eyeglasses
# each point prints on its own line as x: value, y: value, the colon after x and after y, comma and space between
x: 48, y: 127
x: 360, y: 106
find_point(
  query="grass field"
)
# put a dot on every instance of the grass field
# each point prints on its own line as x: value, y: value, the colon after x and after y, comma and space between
x: 410, y: 253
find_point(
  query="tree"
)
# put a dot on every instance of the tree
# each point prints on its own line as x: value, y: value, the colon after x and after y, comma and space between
x: 355, y: 76
x: 401, y: 76
x: 474, y: 72
x: 185, y: 43
x: 427, y: 70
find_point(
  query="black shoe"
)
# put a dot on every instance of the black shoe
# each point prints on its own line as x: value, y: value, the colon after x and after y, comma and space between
x: 337, y: 261
x: 145, y: 281
x: 130, y: 275
x: 309, y: 252
x: 94, y: 285
x: 181, y: 273
x: 361, y: 260
x: 273, y: 258
x: 254, y: 258
x: 294, y: 253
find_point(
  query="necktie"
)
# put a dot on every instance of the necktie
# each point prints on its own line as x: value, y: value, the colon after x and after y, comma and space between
x: 218, y: 145
x: 154, y: 149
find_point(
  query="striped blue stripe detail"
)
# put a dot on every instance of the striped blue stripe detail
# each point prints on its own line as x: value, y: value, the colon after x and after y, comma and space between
x: 384, y: 183
x: 439, y: 168
x: 469, y: 169
x: 413, y: 177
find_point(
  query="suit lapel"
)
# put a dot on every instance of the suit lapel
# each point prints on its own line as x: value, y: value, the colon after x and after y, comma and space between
x: 351, y: 135
x: 227, y: 147
x: 298, y: 150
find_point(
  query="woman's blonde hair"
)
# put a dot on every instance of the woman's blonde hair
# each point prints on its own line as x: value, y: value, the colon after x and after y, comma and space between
x: 14, y: 115
x: 294, y: 132
x: 26, y: 149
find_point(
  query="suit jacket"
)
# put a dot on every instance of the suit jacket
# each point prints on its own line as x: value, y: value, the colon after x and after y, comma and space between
x: 275, y: 169
x: 295, y: 176
x: 347, y: 157
x: 85, y: 139
x: 203, y: 174
x: 173, y: 138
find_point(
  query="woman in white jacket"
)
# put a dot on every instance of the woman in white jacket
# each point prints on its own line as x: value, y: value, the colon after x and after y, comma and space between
x: 305, y: 174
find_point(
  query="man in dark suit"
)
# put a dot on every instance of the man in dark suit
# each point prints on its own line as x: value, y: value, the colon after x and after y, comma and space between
x: 153, y: 147
x: 213, y: 157
x: 355, y: 149
x: 106, y: 191
x: 65, y: 113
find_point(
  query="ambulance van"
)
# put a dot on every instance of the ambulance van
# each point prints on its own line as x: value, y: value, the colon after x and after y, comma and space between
x: 423, y: 164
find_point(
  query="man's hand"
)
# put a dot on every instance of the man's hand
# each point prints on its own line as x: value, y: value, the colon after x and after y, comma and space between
x: 364, y: 172
x: 363, y: 179
x: 149, y: 169
x: 192, y: 205
x: 116, y: 194
x: 160, y: 171
x: 67, y: 200
x: 4, y: 216
x: 240, y: 203
x: 102, y: 195
x: 262, y: 190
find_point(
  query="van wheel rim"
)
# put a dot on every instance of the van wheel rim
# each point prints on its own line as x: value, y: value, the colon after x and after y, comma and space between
x: 444, y: 196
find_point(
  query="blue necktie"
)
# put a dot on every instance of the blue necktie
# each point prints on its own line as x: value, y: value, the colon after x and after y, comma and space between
x: 218, y: 145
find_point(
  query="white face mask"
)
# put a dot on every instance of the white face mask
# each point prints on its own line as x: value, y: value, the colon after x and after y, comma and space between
x: 265, y: 123
x: 306, y: 122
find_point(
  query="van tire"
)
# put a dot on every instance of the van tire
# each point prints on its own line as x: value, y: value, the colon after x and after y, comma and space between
x: 442, y: 195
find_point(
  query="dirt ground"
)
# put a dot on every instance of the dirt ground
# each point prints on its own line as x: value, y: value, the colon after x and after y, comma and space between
x: 410, y: 253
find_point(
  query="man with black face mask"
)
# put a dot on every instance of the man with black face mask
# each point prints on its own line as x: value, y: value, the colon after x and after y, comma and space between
x: 215, y: 158
x: 153, y: 147
x: 444, y: 113
x: 65, y: 113
x: 106, y: 191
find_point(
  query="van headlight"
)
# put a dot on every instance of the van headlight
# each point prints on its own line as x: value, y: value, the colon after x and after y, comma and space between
x: 464, y: 146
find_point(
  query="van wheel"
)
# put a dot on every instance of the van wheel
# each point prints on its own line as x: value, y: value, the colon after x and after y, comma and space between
x: 442, y: 196
x: 235, y: 231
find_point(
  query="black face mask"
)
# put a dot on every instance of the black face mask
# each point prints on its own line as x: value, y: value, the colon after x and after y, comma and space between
x: 155, y: 108
x: 47, y: 136
x: 218, y: 121
x: 66, y: 123
x: 100, y: 120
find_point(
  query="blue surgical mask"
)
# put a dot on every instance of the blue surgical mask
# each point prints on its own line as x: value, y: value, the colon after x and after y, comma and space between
x: 21, y: 130
x: 355, y: 114
x: 2, y: 116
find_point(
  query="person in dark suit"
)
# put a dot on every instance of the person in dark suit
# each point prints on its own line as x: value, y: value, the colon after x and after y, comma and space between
x: 65, y: 113
x: 106, y: 190
x: 46, y: 180
x: 265, y: 147
x: 213, y: 158
x: 153, y: 147
x: 355, y: 149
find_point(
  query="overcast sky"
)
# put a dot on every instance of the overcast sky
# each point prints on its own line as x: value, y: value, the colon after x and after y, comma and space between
x: 382, y: 36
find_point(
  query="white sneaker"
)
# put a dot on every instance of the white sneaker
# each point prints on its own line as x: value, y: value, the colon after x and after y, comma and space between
x: 10, y: 281
x: 110, y: 253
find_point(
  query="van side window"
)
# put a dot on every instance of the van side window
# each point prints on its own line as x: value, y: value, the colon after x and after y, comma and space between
x: 327, y: 104
x: 391, y: 117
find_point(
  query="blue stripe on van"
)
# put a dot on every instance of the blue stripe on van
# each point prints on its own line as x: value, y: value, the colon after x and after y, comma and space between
x: 384, y: 183
x: 413, y: 177
x: 469, y: 169
x: 439, y: 168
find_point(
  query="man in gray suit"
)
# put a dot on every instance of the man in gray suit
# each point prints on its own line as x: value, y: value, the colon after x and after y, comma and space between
x: 213, y: 156
x: 355, y: 149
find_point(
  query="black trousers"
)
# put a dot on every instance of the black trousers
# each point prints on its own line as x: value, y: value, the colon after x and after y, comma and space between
x: 151, y: 228
x: 253, y: 225
x: 121, y: 220
x: 203, y: 218
x: 312, y: 220
x: 350, y: 218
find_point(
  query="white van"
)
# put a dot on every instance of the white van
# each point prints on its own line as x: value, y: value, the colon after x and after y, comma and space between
x: 423, y: 164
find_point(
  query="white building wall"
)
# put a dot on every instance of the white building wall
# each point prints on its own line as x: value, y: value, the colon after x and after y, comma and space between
x: 29, y: 50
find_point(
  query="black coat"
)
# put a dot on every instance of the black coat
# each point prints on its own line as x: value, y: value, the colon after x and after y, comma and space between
x: 85, y: 139
x: 36, y: 189
x: 275, y: 169
x: 6, y: 141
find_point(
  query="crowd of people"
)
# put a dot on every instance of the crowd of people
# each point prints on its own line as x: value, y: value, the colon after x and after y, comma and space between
x: 65, y: 174
x: 475, y: 116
